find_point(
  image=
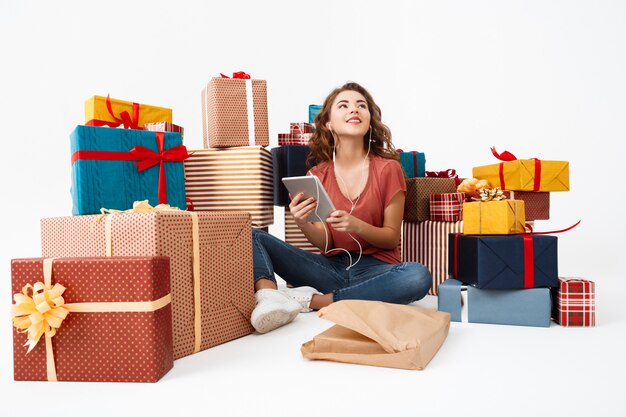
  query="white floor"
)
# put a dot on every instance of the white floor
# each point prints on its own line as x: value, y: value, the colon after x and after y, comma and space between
x: 481, y: 370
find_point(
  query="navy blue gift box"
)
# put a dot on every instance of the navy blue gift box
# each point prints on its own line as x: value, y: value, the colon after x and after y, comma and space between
x: 288, y: 161
x: 504, y: 262
x: 105, y: 172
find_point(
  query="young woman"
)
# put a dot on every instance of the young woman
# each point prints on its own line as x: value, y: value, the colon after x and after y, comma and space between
x: 358, y: 166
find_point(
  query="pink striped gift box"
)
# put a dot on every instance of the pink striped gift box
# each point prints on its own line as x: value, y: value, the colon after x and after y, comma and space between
x: 294, y: 236
x: 446, y: 207
x: 574, y: 302
x: 427, y: 243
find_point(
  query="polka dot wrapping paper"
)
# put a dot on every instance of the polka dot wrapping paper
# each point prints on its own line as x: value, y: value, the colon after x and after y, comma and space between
x: 97, y: 346
x: 226, y: 279
x: 225, y: 118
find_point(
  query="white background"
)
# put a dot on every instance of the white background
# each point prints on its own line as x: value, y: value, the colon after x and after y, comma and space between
x: 538, y: 78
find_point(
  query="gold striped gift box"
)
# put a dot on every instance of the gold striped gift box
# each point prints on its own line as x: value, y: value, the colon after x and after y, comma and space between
x: 237, y: 178
x: 294, y: 236
x: 427, y: 243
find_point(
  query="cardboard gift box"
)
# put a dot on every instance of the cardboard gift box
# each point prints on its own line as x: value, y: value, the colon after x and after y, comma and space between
x: 238, y: 179
x: 301, y: 139
x: 106, y: 111
x: 574, y: 302
x: 504, y: 262
x: 234, y: 113
x: 165, y: 127
x: 210, y: 259
x: 113, y: 168
x: 528, y: 307
x: 92, y: 319
x: 500, y: 217
x: 427, y: 243
x: 446, y: 207
x: 418, y: 191
x: 526, y: 175
x: 287, y: 161
x: 413, y: 163
x: 294, y: 236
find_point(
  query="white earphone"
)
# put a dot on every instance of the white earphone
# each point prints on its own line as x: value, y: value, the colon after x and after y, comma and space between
x: 352, y: 203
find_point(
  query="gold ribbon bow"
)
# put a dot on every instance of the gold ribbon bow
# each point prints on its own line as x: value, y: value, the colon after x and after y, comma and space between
x: 138, y: 207
x: 38, y: 310
x: 44, y: 311
x: 491, y: 194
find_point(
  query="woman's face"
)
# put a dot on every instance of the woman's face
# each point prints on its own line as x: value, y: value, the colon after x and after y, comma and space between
x: 349, y: 114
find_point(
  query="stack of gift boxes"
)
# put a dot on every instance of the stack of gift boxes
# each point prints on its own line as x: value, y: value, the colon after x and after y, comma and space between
x: 133, y: 278
x: 500, y: 273
x: 290, y: 160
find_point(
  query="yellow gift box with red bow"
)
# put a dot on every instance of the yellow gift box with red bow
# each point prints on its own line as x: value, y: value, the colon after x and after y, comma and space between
x: 525, y: 174
x: 106, y: 111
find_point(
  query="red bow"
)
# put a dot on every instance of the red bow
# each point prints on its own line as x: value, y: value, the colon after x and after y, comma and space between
x: 507, y: 156
x: 448, y: 173
x: 239, y: 74
x: 125, y: 118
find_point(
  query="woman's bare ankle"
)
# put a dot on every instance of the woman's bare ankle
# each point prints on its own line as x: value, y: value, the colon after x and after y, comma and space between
x: 318, y: 300
x: 264, y: 283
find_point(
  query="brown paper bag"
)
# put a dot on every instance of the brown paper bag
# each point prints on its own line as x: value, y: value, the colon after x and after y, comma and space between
x: 379, y: 334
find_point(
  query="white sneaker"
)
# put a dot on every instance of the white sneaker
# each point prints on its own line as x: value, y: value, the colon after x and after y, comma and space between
x: 302, y: 295
x: 272, y: 310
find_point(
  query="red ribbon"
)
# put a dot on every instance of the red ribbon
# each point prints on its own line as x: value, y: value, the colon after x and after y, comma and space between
x: 448, y: 173
x: 507, y: 156
x: 124, y: 119
x: 147, y: 158
x: 239, y: 74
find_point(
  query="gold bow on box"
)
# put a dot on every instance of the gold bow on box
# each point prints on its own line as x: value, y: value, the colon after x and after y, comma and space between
x: 491, y: 194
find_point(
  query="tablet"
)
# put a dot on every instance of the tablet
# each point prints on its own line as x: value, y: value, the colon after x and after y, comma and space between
x: 311, y: 186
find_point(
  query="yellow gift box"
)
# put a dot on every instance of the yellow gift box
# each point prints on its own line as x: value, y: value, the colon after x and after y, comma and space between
x: 105, y: 111
x: 501, y: 217
x: 524, y: 174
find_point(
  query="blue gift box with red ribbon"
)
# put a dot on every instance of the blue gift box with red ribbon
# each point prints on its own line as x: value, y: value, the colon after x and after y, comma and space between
x: 413, y: 163
x: 504, y: 262
x: 113, y: 168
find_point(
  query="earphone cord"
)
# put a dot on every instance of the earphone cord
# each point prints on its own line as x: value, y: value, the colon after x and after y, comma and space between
x: 353, y: 204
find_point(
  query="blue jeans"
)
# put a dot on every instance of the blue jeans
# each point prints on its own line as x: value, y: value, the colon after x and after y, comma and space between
x: 369, y: 279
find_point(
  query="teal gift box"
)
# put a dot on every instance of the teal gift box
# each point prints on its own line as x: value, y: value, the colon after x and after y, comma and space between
x: 314, y: 110
x: 113, y: 168
x: 413, y: 163
x: 528, y: 307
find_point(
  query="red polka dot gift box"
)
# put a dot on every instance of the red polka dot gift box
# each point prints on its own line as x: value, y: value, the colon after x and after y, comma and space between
x: 91, y: 319
x: 210, y: 259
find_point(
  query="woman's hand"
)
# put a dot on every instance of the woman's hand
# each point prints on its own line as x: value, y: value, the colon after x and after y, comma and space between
x: 300, y: 208
x: 343, y: 221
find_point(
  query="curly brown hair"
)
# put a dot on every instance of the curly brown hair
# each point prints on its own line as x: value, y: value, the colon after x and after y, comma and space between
x: 322, y: 142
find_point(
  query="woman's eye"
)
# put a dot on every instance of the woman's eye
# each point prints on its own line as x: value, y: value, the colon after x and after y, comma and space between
x: 342, y: 106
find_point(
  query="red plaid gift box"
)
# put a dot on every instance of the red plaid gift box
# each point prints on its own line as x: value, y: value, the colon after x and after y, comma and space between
x: 299, y: 128
x: 294, y: 139
x: 574, y: 302
x: 446, y: 207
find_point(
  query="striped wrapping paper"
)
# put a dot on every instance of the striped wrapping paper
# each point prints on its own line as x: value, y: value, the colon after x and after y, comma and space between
x: 574, y: 302
x: 294, y: 236
x: 232, y: 179
x: 446, y: 207
x: 294, y: 139
x: 427, y: 243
